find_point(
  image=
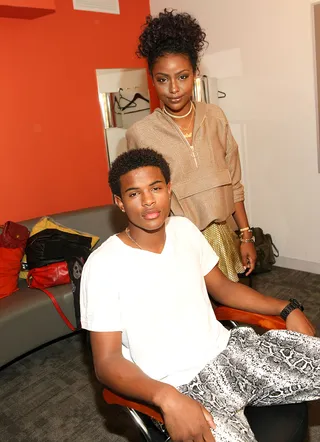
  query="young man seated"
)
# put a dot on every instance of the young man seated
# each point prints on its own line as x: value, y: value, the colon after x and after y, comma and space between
x: 154, y: 335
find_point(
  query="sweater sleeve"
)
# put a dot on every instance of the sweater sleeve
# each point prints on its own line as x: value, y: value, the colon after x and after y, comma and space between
x: 233, y: 162
x: 134, y: 140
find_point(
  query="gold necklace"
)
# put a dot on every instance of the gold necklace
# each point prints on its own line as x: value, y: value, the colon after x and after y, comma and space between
x: 179, y: 116
x: 127, y: 231
x: 185, y: 131
x: 130, y: 237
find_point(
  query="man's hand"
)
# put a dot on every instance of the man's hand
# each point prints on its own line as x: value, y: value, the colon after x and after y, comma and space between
x: 186, y: 419
x: 297, y: 321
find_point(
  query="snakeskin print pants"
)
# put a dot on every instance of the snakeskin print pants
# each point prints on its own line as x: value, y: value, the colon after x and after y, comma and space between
x: 278, y: 367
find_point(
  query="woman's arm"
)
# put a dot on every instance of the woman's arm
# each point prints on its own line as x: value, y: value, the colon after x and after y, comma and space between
x: 247, y: 249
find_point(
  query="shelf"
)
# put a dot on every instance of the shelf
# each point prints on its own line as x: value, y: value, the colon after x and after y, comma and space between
x: 26, y: 9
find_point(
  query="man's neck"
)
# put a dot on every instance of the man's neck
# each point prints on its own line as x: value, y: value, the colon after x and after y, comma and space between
x: 152, y: 241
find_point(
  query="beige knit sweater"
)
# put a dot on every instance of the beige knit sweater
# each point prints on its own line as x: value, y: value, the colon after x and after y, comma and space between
x: 205, y: 176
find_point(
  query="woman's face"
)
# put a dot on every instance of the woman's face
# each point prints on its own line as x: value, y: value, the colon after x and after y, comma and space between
x: 173, y: 79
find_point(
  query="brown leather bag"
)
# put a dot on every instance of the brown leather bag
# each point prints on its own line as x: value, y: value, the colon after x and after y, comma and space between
x: 267, y: 252
x: 13, y: 235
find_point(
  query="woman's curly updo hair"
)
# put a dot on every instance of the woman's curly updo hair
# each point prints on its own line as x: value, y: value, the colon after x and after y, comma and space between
x: 171, y: 33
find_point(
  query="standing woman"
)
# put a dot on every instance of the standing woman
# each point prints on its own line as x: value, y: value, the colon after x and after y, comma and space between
x: 195, y: 139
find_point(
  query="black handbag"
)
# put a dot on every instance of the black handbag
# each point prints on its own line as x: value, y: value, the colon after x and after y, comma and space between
x: 267, y: 252
x: 53, y: 245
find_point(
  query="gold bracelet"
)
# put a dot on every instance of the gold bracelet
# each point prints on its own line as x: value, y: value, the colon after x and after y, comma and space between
x: 252, y: 239
x: 242, y: 233
x: 245, y: 229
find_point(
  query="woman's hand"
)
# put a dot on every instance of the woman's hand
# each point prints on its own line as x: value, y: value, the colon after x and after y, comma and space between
x: 297, y: 321
x: 248, y: 256
x: 186, y: 420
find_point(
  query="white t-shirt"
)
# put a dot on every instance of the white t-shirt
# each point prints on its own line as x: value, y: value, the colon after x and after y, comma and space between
x: 158, y: 301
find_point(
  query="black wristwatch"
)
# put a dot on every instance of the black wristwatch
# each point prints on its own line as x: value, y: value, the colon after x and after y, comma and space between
x: 293, y: 304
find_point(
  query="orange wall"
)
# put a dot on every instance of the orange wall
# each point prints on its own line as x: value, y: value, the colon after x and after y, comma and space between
x: 52, y: 147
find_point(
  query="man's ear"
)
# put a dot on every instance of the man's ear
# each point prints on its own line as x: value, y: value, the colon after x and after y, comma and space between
x: 169, y: 188
x: 119, y: 203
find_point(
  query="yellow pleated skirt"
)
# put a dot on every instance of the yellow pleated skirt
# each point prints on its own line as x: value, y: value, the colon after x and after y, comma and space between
x: 226, y: 244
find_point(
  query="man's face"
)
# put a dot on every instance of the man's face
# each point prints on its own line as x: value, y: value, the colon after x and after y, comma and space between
x: 145, y: 197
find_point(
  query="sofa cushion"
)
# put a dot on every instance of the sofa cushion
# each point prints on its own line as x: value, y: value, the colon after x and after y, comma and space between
x: 28, y: 319
x: 100, y: 221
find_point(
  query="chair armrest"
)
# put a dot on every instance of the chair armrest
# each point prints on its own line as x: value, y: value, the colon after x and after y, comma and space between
x: 112, y: 398
x: 231, y: 314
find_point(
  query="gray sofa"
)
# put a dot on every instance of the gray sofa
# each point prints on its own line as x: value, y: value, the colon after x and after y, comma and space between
x: 28, y: 318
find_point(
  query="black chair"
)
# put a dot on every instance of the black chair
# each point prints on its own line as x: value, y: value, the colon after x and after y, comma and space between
x: 278, y: 423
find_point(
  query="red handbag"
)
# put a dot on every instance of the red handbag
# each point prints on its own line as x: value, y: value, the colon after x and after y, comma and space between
x: 13, y: 235
x: 9, y: 270
x: 49, y: 276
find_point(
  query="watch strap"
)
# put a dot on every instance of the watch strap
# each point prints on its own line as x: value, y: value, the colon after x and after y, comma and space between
x: 293, y: 304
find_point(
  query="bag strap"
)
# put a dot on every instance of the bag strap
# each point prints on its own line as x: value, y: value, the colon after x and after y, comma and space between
x: 276, y: 251
x: 58, y: 308
x: 274, y: 248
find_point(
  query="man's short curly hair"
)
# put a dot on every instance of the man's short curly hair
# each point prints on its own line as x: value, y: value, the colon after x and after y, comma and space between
x: 134, y: 159
x: 171, y: 33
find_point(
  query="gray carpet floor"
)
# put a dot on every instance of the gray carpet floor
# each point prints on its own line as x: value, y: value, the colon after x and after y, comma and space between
x: 51, y: 395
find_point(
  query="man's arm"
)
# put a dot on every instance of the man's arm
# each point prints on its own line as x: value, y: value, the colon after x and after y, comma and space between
x: 185, y: 419
x: 239, y: 296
